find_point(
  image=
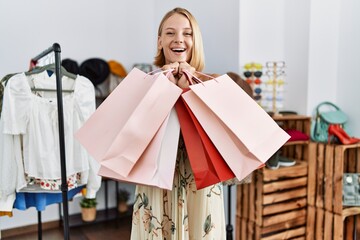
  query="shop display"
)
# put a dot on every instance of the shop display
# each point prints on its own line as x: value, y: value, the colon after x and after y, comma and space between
x: 274, y: 204
x: 105, y: 76
x: 41, y: 109
x: 330, y: 125
x: 333, y: 191
x: 253, y: 73
x: 267, y: 84
x: 274, y: 87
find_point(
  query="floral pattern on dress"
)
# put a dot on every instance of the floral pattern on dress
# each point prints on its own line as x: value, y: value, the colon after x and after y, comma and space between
x: 172, y: 221
x: 73, y: 181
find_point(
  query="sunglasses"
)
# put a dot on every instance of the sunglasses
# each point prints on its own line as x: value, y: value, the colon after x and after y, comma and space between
x: 256, y: 81
x: 253, y: 73
x: 257, y: 94
x: 278, y: 98
x: 253, y: 65
x: 257, y: 90
x: 279, y: 64
x: 278, y: 72
x: 279, y: 82
x: 257, y: 97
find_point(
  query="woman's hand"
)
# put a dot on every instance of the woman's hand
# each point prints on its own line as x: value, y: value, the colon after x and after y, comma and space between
x: 185, y: 68
x: 171, y: 76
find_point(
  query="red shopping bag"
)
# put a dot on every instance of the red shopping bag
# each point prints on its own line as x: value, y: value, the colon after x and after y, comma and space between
x: 157, y: 164
x: 121, y: 128
x: 207, y: 164
x: 245, y: 135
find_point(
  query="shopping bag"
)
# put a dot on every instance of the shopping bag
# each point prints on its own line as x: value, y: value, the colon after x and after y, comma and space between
x: 156, y: 165
x: 206, y: 163
x: 120, y: 129
x: 245, y: 135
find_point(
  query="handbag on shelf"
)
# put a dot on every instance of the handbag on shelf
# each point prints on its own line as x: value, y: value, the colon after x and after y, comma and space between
x: 326, y: 113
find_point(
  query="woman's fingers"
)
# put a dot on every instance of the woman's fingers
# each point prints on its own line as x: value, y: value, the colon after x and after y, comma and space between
x: 174, y: 72
x: 174, y: 66
x: 185, y: 67
x: 183, y: 82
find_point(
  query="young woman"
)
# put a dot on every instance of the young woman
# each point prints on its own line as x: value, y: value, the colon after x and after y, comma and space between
x: 183, y: 213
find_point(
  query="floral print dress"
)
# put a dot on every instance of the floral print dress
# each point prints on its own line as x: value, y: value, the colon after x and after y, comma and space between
x: 181, y: 214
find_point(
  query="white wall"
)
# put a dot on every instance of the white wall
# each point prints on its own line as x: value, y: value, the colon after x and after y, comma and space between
x: 348, y: 75
x: 108, y: 29
x: 296, y: 53
x: 323, y: 52
x: 261, y: 31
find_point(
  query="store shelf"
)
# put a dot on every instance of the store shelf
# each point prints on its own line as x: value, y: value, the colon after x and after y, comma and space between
x: 327, y: 217
x: 274, y: 204
x: 297, y: 143
x: 101, y: 216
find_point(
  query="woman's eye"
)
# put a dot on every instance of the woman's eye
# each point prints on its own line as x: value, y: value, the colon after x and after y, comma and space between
x: 188, y: 34
x: 170, y: 33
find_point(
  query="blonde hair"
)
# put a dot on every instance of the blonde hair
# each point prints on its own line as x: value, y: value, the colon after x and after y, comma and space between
x: 197, y: 53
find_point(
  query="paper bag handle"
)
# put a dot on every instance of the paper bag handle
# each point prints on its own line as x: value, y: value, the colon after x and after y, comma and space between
x: 191, y: 77
x: 159, y: 70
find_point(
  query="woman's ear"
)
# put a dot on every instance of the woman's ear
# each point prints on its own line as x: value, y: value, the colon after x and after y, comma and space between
x: 159, y: 43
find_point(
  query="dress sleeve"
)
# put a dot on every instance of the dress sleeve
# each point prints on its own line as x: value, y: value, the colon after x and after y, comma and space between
x: 16, y: 105
x: 85, y: 97
x: 11, y: 169
x: 12, y: 123
x: 85, y: 102
x: 93, y: 179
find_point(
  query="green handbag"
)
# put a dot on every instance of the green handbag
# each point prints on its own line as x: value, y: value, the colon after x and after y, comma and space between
x: 323, y: 118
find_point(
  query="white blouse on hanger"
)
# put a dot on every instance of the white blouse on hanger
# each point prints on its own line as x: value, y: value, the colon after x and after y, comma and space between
x: 33, y: 115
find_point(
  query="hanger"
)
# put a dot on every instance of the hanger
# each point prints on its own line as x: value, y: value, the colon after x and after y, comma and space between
x: 51, y: 67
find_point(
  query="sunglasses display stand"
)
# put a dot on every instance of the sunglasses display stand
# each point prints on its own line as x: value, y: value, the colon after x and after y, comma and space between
x: 275, y: 73
x: 253, y: 73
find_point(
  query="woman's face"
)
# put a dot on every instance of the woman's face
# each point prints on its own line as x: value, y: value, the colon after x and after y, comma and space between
x: 176, y: 39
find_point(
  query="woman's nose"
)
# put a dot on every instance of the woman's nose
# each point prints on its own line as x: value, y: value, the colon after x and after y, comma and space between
x: 179, y: 38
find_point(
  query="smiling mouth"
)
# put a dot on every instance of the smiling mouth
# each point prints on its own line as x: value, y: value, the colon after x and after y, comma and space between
x: 178, y: 50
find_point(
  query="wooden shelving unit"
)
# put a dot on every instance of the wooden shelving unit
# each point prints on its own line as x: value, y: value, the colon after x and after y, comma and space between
x: 274, y: 204
x: 111, y: 214
x: 327, y: 217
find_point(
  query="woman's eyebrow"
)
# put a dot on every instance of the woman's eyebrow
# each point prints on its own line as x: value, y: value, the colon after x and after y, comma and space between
x: 171, y: 28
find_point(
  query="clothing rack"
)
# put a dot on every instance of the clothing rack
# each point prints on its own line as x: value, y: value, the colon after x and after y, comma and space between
x: 229, y: 227
x: 64, y: 186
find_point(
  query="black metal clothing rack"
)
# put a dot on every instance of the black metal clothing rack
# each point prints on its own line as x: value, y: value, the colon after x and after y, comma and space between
x: 229, y: 227
x: 64, y: 186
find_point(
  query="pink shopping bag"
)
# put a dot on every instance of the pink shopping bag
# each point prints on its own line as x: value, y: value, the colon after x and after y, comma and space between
x: 121, y: 128
x: 245, y: 135
x: 157, y: 164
